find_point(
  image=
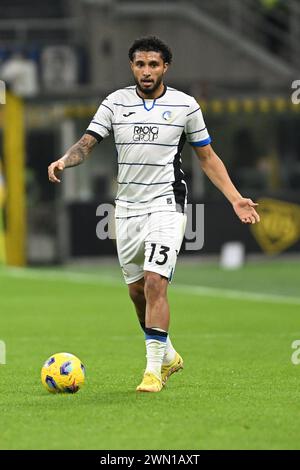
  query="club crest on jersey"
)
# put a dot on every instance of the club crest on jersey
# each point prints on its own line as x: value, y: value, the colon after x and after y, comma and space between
x: 167, y: 115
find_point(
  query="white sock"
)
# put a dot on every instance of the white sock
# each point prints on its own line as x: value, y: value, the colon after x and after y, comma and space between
x: 155, y: 353
x: 170, y: 352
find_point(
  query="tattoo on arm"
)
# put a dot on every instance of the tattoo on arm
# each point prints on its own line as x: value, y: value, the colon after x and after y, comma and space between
x: 79, y: 151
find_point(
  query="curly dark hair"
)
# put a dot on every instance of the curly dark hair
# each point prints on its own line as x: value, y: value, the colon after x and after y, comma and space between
x: 151, y: 43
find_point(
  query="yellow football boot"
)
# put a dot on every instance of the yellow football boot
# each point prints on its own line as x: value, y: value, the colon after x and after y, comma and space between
x: 150, y: 383
x: 169, y: 369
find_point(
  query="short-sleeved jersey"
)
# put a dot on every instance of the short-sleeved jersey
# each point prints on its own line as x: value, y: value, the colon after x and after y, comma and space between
x: 149, y: 136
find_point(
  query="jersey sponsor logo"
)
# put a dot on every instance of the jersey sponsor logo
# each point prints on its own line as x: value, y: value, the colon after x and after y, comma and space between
x: 129, y: 114
x: 167, y: 115
x: 145, y: 133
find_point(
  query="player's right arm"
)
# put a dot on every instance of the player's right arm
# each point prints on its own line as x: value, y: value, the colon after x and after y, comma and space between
x: 73, y: 157
x: 98, y: 129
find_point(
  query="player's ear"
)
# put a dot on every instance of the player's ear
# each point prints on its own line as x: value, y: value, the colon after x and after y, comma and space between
x: 166, y: 66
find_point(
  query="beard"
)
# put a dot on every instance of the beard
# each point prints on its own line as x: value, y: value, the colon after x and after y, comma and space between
x: 151, y: 89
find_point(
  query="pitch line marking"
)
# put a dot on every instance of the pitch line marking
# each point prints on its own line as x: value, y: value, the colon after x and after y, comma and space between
x: 85, y: 278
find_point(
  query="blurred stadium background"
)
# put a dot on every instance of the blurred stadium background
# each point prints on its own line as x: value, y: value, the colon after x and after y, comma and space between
x: 239, y: 62
x: 58, y: 60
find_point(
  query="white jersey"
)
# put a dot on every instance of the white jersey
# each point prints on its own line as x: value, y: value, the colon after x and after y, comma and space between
x: 149, y: 137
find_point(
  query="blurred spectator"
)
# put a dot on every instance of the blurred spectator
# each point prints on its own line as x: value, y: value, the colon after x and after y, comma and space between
x: 59, y: 68
x: 4, y: 54
x: 276, y: 23
x: 255, y: 166
x: 21, y: 75
x: 245, y: 152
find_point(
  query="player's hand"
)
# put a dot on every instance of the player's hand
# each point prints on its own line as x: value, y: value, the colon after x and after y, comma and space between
x: 54, y: 170
x: 245, y: 210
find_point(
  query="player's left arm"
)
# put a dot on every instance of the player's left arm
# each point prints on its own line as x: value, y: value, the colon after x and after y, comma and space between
x: 215, y: 169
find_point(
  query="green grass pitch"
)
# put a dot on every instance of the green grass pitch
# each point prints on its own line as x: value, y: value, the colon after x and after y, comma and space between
x: 238, y: 390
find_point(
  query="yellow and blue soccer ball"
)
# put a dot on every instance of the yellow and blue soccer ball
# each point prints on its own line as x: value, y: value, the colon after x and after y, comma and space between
x: 63, y: 373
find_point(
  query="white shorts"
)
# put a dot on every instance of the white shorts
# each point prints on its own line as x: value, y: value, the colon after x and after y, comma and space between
x: 149, y: 242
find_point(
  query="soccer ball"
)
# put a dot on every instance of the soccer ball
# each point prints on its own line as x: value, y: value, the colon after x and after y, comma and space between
x: 63, y: 373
